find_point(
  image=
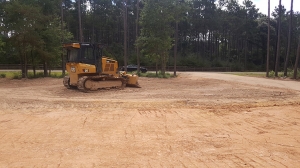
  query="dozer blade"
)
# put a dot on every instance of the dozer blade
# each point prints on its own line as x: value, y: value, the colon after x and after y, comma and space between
x: 137, y: 85
x: 132, y: 80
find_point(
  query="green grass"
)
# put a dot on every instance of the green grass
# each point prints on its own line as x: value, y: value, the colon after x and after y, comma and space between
x: 253, y: 74
x: 153, y: 75
x: 30, y: 75
x: 11, y: 74
x: 2, y: 75
x: 290, y: 73
x: 58, y: 74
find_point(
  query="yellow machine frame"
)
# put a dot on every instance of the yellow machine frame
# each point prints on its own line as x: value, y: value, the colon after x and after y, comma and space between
x: 108, y: 67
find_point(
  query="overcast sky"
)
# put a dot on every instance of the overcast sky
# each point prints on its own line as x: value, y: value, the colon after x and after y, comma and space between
x: 263, y: 5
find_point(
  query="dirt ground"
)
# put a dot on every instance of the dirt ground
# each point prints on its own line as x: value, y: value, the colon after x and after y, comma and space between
x: 195, y: 120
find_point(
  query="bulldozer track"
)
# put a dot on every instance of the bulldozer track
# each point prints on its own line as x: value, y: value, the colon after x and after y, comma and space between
x: 66, y: 82
x: 92, y: 83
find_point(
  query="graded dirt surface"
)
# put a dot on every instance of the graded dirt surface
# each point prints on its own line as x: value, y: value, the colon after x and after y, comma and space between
x: 194, y: 120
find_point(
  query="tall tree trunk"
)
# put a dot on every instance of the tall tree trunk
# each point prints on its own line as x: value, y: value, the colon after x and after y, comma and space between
x: 246, y: 53
x: 175, y: 47
x: 163, y: 63
x: 156, y: 67
x: 79, y: 21
x: 32, y: 63
x: 24, y: 65
x: 125, y: 33
x: 45, y: 69
x: 229, y: 43
x: 62, y: 39
x: 204, y: 37
x: 297, y: 60
x: 93, y: 24
x: 211, y: 44
x: 224, y: 48
x: 197, y: 44
x: 268, y: 45
x: 289, y: 41
x: 217, y: 48
x: 223, y: 43
x: 137, y: 34
x: 208, y: 45
x: 278, y: 41
x: 24, y: 72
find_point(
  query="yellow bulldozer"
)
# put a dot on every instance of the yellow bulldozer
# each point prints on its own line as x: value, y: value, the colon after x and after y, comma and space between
x: 88, y: 70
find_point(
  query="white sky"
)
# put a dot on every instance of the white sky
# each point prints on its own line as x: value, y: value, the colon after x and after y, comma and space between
x: 262, y: 5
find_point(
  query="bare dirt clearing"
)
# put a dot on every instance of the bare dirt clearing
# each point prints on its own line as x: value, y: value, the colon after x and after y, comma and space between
x: 191, y: 121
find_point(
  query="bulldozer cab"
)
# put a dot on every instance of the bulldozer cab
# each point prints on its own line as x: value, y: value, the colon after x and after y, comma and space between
x: 84, y: 53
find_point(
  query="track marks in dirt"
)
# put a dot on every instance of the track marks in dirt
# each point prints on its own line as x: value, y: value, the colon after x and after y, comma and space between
x: 186, y: 137
x: 191, y: 123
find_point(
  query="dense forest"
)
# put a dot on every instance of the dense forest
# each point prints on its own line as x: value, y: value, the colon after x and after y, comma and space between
x: 158, y: 33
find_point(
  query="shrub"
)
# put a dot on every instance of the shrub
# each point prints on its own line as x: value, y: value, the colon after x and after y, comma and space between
x: 192, y: 60
x: 57, y: 75
x: 153, y: 75
x: 272, y: 74
x: 217, y: 63
x: 30, y: 75
x: 291, y: 73
x: 237, y: 66
x: 17, y: 75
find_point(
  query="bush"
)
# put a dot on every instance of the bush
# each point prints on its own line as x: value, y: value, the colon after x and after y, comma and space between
x: 30, y: 75
x: 290, y: 73
x: 272, y: 74
x: 17, y: 75
x: 57, y: 75
x: 236, y: 67
x: 153, y: 75
x: 192, y: 60
x: 217, y: 63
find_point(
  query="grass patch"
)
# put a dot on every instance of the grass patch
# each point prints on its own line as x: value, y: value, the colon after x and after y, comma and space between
x: 57, y: 75
x: 154, y: 75
x: 252, y: 74
x: 2, y: 75
x: 290, y: 74
x: 30, y: 75
x: 41, y: 75
x: 11, y: 74
x: 17, y: 75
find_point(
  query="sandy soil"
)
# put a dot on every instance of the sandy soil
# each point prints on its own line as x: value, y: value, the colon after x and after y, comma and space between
x: 195, y: 120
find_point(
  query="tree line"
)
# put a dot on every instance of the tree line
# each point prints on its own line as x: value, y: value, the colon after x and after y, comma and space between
x: 160, y: 33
